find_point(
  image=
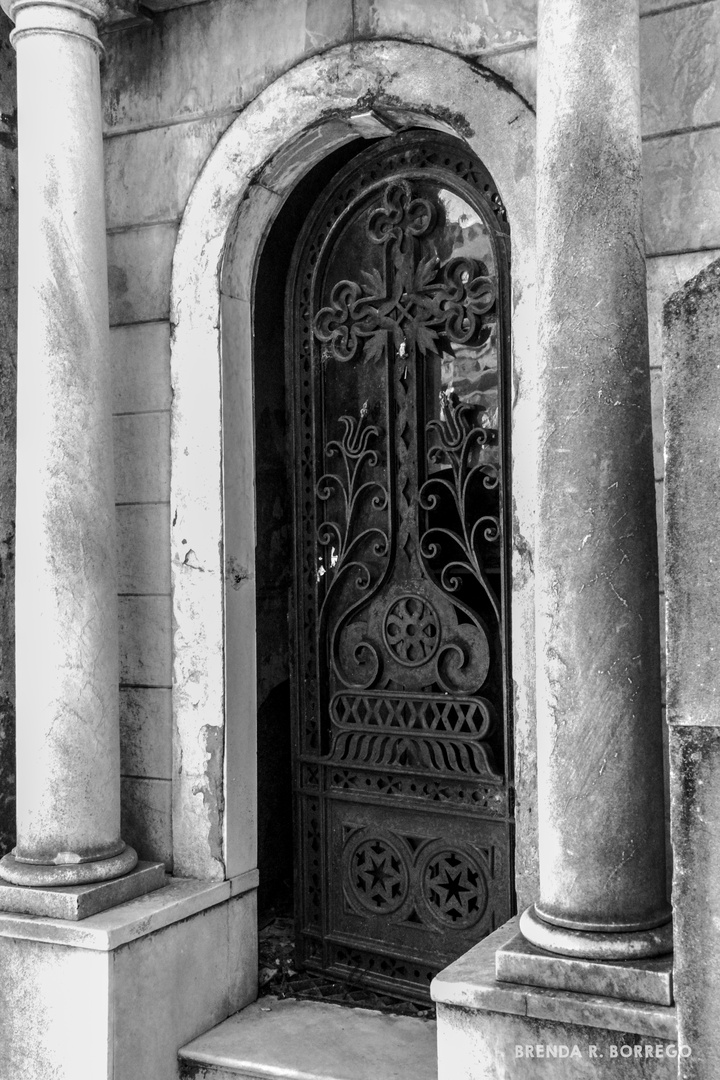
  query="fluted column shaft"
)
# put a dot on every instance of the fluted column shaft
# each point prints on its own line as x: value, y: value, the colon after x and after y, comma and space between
x: 600, y: 786
x: 68, y: 769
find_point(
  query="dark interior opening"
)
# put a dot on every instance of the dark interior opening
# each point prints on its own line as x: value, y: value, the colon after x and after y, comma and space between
x: 273, y: 552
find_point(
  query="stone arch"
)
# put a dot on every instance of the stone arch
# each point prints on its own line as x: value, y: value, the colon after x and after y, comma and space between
x: 290, y: 126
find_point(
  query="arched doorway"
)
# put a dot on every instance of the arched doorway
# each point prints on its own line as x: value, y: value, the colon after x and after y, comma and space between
x: 239, y: 196
x: 397, y: 327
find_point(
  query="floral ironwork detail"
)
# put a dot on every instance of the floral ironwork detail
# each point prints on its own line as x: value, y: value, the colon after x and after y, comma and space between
x: 348, y: 484
x: 412, y: 630
x: 350, y: 548
x: 458, y: 441
x: 417, y: 303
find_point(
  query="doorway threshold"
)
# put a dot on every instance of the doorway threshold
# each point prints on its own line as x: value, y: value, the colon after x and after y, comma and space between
x: 278, y: 976
x: 291, y: 1039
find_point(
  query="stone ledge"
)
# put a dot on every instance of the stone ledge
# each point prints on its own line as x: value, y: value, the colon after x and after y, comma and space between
x: 178, y: 900
x: 649, y: 981
x: 75, y: 902
x: 313, y: 1040
x: 470, y: 983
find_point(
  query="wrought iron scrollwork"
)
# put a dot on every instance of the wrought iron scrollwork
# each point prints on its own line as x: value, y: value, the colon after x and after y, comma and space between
x: 402, y: 215
x: 355, y: 456
x: 354, y: 550
x: 459, y: 438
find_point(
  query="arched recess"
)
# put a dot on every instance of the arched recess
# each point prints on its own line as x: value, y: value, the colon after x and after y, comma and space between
x: 287, y: 129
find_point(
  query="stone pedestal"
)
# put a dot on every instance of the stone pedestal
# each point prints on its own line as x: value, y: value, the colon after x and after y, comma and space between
x: 68, y: 768
x: 490, y: 1030
x: 600, y: 773
x: 115, y: 996
x: 691, y: 355
x: 77, y: 902
x: 646, y: 980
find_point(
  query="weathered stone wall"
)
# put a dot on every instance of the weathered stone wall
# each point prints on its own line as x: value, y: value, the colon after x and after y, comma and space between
x: 692, y: 386
x: 680, y: 81
x: 8, y: 324
x: 171, y: 88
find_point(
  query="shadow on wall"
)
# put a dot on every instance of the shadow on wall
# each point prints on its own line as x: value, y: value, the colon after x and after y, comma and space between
x: 273, y: 555
x: 275, y: 835
x: 7, y: 771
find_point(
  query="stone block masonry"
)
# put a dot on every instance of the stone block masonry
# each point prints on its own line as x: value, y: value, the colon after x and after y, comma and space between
x: 692, y: 575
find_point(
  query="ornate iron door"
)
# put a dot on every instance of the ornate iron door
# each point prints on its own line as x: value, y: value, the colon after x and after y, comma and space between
x: 396, y: 356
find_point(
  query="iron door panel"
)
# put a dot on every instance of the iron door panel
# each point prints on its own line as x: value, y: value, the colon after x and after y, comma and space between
x: 409, y: 877
x: 397, y: 356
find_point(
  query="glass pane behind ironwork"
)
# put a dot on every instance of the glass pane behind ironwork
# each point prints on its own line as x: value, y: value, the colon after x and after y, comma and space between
x: 398, y: 327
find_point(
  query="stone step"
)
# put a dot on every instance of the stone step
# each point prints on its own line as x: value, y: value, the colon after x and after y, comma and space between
x: 312, y: 1040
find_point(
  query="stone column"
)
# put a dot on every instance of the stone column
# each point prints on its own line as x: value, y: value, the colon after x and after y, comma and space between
x: 68, y: 770
x: 600, y: 773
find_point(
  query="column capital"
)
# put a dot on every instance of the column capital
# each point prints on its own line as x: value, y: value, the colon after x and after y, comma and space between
x: 96, y: 10
x: 79, y: 17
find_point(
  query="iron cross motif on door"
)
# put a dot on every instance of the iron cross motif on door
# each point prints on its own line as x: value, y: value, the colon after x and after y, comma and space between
x: 419, y: 299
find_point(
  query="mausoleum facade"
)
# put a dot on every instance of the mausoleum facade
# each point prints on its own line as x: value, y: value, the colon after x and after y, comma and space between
x: 360, y: 347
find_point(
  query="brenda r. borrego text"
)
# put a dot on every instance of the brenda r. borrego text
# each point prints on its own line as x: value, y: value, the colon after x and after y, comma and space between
x: 622, y: 1050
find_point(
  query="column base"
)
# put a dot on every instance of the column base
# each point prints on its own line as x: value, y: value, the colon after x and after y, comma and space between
x: 45, y: 875
x: 75, y: 902
x: 593, y: 945
x: 491, y: 1030
x: 648, y: 980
